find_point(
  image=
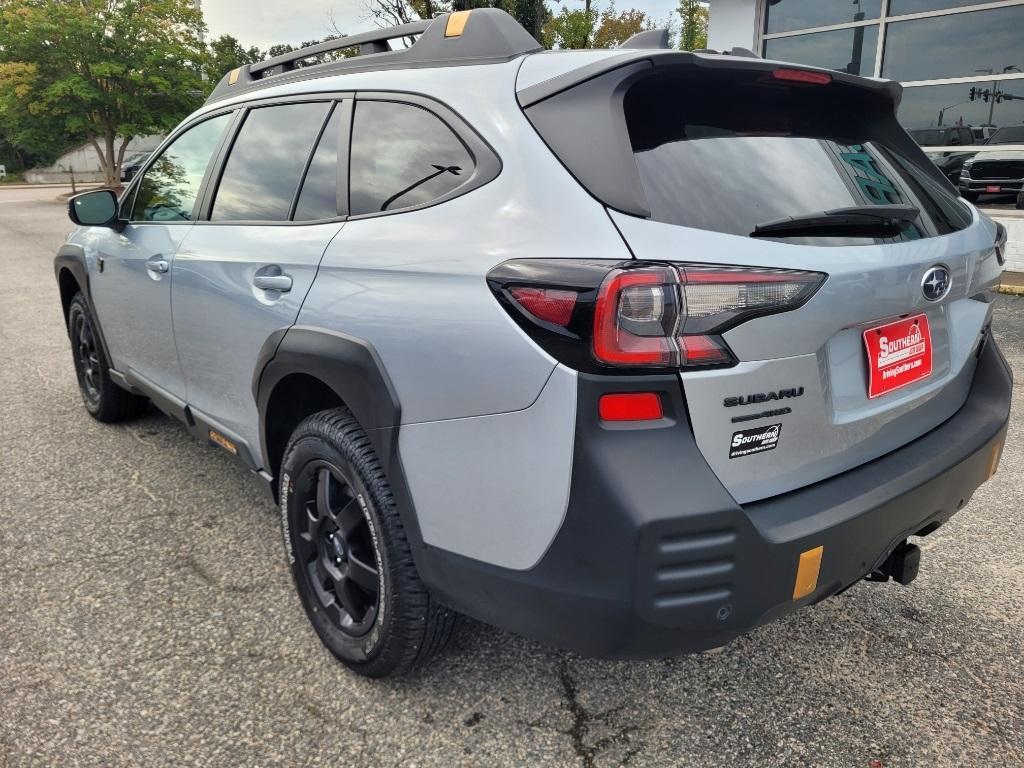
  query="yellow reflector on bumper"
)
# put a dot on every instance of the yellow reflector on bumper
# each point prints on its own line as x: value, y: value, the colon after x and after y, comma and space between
x: 807, y: 572
x: 997, y: 453
x: 456, y: 23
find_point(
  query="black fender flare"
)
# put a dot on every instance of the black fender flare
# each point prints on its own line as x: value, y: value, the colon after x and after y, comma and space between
x: 353, y: 370
x: 349, y: 366
x: 71, y: 257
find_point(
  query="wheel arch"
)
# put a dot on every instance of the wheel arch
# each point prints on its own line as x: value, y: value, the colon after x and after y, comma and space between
x: 72, y: 272
x: 303, y: 370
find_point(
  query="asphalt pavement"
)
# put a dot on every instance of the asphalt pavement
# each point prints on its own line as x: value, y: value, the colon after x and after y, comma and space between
x: 147, y: 618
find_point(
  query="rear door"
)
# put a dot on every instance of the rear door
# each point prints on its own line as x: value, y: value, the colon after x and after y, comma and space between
x: 885, y: 350
x: 243, y: 271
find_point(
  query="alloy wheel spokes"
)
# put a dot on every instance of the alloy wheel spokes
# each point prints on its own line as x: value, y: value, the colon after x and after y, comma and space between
x: 337, y: 549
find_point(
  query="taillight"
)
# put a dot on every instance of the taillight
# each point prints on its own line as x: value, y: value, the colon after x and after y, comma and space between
x: 596, y: 316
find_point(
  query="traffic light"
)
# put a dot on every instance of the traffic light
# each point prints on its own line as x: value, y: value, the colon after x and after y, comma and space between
x: 974, y: 92
x: 984, y: 95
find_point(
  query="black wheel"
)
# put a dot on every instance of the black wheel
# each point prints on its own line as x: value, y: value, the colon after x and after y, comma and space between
x: 349, y: 553
x: 1020, y: 200
x: 104, y: 399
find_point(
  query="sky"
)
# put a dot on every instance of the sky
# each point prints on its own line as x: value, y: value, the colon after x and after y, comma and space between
x: 263, y: 22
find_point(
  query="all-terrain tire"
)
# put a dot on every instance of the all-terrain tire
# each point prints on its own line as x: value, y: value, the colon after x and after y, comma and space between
x: 104, y: 399
x: 337, y: 515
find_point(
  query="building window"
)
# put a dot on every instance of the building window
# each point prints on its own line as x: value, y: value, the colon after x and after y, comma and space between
x: 787, y: 15
x: 922, y: 43
x: 849, y: 50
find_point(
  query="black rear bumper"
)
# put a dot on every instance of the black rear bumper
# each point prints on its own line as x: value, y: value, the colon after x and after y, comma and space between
x: 655, y: 557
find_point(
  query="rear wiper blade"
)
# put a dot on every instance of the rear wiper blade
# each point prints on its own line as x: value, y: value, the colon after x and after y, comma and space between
x: 857, y: 221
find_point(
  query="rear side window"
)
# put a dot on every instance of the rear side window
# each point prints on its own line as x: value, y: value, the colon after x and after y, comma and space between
x: 319, y: 196
x: 731, y: 154
x: 171, y: 185
x: 403, y: 156
x: 266, y: 162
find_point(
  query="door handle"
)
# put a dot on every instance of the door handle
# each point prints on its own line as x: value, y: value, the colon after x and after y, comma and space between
x: 158, y: 265
x: 280, y: 283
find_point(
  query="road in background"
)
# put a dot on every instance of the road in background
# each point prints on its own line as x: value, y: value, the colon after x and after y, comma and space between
x: 147, y: 617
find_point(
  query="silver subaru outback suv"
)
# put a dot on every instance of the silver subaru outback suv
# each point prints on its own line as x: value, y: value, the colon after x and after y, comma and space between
x: 628, y: 351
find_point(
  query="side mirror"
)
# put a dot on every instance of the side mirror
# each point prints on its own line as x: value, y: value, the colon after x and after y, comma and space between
x: 94, y: 209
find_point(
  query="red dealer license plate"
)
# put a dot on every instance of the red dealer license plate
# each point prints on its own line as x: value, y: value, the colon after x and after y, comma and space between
x: 899, y: 354
x: 993, y: 188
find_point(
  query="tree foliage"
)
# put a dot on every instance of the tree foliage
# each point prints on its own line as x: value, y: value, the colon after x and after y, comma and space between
x: 589, y: 28
x: 226, y: 53
x: 98, y: 70
x: 693, y: 34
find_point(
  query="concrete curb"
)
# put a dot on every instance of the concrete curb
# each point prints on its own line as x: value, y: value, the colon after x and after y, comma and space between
x: 1012, y: 290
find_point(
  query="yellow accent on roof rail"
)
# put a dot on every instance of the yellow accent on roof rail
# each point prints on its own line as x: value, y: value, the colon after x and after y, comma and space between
x: 456, y: 23
x: 233, y: 77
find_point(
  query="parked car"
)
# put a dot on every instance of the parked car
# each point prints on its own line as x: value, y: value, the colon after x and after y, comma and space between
x: 949, y: 163
x: 992, y: 173
x: 627, y: 351
x: 132, y: 164
x: 950, y: 136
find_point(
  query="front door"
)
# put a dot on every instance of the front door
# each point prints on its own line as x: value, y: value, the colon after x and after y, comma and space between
x: 131, y: 284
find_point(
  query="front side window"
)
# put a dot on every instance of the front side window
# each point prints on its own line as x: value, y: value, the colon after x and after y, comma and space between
x: 266, y: 162
x: 403, y: 156
x: 170, y: 188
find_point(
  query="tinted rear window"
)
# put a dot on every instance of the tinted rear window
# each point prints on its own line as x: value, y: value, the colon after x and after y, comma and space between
x: 266, y: 162
x: 728, y: 154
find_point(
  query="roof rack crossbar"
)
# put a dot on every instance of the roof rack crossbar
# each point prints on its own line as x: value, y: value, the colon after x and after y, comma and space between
x: 369, y: 42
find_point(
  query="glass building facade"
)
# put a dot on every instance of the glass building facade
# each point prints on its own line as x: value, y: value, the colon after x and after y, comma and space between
x: 961, y: 62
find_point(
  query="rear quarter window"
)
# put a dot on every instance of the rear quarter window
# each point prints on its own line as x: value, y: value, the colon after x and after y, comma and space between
x: 403, y: 156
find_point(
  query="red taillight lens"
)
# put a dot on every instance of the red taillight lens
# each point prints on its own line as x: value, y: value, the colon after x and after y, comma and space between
x: 548, y: 304
x: 631, y: 406
x: 802, y: 76
x: 635, y: 315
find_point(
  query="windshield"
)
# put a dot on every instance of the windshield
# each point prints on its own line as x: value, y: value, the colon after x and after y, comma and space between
x: 1012, y: 135
x: 729, y: 157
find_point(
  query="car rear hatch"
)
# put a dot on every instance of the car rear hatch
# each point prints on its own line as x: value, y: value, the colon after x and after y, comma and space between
x: 693, y: 153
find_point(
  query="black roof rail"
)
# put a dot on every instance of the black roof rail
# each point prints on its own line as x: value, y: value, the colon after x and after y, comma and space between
x: 477, y: 36
x: 649, y: 38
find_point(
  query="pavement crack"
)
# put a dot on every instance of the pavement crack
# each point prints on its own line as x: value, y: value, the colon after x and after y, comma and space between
x: 583, y: 719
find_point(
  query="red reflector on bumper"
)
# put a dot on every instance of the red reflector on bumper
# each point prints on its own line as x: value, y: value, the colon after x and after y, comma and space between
x: 632, y: 406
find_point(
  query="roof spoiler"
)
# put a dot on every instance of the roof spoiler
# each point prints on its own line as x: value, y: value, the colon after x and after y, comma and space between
x: 480, y: 35
x: 739, y: 59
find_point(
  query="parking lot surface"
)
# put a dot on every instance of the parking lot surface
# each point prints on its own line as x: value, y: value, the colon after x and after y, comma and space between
x: 147, y: 617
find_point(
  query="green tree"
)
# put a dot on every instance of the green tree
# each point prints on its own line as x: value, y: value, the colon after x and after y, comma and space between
x: 103, y: 70
x: 225, y: 54
x: 589, y: 28
x: 613, y: 28
x: 693, y: 34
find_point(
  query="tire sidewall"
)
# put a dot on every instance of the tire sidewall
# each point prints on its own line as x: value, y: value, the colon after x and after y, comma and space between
x: 354, y: 651
x: 78, y: 309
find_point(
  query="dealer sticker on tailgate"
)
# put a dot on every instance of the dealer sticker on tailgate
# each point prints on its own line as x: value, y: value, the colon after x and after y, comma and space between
x: 899, y: 354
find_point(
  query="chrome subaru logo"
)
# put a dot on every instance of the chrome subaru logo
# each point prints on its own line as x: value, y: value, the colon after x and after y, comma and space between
x: 936, y: 283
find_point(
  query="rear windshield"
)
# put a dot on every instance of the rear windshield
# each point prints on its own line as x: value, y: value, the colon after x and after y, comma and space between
x: 727, y: 154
